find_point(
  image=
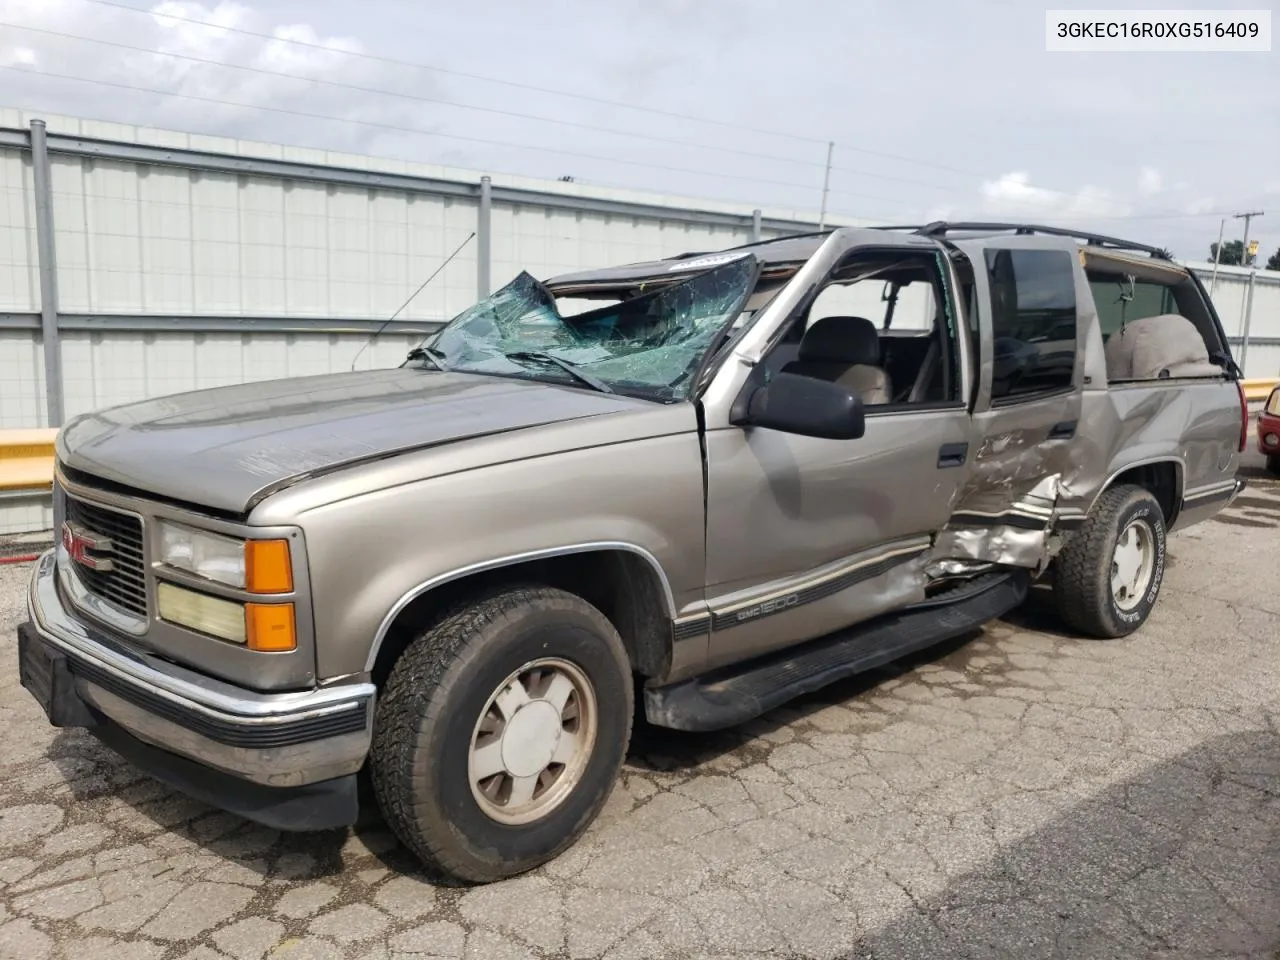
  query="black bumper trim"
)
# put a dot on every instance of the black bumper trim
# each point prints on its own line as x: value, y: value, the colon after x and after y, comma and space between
x: 327, y: 805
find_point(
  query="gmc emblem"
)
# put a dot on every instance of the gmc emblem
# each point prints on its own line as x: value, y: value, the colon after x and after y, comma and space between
x: 85, y: 548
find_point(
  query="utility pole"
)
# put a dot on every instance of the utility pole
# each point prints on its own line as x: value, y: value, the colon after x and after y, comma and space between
x: 1217, y: 255
x: 826, y: 183
x: 1244, y: 250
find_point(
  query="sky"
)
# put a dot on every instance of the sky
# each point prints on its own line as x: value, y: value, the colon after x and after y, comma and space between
x: 936, y: 110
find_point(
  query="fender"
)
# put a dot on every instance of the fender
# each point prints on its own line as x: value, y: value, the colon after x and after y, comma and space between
x: 414, y: 592
x: 1180, y: 482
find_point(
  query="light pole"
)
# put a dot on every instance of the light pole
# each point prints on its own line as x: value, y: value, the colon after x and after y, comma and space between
x: 1246, y: 300
x: 1217, y: 255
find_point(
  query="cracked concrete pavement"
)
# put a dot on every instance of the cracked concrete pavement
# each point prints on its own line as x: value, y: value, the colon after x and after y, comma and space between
x: 1024, y: 793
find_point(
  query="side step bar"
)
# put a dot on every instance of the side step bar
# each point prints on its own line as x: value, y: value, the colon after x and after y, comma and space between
x: 728, y: 697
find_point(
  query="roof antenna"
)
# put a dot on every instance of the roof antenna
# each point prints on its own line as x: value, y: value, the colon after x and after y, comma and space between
x: 422, y: 286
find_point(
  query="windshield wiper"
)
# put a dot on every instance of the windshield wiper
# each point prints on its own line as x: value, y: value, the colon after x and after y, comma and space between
x: 578, y: 374
x: 429, y: 353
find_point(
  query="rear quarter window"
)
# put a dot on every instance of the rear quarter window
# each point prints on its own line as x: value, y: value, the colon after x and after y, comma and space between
x: 1118, y: 305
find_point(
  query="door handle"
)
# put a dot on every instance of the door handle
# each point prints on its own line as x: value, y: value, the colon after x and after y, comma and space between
x: 952, y: 455
x: 1063, y: 431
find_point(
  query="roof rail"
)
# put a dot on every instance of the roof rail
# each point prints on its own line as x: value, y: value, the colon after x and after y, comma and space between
x: 940, y: 228
x: 753, y: 243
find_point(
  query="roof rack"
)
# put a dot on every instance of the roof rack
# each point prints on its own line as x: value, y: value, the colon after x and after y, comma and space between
x: 940, y: 228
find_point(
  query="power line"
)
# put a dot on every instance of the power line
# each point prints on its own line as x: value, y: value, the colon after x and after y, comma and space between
x: 719, y: 174
x: 424, y: 99
x: 545, y: 90
x: 458, y: 73
x: 426, y: 133
x: 512, y: 113
x: 590, y: 99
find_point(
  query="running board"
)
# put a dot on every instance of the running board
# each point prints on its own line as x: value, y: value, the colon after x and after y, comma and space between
x: 726, y: 698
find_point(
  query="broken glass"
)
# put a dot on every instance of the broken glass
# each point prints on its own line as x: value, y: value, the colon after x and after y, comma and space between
x: 650, y: 345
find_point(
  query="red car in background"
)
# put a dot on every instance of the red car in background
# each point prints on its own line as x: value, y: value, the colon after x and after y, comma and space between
x: 1269, y: 432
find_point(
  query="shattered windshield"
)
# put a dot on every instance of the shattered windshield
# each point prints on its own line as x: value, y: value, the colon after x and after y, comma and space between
x: 650, y: 345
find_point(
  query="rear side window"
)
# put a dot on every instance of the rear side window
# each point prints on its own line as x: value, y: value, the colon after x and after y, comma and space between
x: 1033, y: 318
x: 1119, y: 304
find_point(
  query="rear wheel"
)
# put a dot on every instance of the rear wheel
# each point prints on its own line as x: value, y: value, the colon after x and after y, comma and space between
x: 500, y: 732
x: 1273, y: 464
x: 1110, y: 571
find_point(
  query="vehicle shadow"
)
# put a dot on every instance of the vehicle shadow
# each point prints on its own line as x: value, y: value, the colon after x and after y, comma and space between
x: 659, y: 748
x: 1180, y: 861
x: 92, y: 772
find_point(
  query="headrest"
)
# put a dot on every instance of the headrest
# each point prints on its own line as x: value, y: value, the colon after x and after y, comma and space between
x: 851, y: 340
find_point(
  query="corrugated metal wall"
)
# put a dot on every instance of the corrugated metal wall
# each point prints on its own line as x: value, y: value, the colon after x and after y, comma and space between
x: 1230, y: 296
x: 186, y: 261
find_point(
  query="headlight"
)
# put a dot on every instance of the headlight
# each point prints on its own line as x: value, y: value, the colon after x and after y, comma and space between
x: 259, y: 566
x: 207, y: 555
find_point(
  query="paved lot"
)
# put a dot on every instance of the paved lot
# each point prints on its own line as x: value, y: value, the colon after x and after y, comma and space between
x: 1024, y: 794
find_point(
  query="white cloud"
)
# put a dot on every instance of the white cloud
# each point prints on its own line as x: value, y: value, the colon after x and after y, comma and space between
x: 1013, y: 194
x: 684, y: 59
x: 170, y: 59
x: 16, y: 56
x: 1200, y: 206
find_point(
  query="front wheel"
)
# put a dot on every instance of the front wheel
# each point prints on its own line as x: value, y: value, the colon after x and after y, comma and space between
x: 500, y: 732
x: 1109, y: 572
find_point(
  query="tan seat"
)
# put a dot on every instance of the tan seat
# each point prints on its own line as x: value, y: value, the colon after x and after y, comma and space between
x: 844, y: 350
x: 1152, y: 348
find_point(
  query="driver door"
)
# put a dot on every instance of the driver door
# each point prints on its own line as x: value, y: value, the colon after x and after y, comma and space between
x: 808, y: 535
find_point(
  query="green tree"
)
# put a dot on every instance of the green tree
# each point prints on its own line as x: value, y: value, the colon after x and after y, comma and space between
x: 1274, y: 262
x: 1232, y: 253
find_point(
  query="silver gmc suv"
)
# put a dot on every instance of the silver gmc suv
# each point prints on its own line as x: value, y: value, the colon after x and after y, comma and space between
x: 708, y: 483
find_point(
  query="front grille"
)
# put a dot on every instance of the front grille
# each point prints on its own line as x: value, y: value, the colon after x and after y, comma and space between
x: 125, y: 584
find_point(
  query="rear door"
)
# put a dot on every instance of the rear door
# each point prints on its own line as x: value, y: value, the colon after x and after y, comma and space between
x: 1029, y: 301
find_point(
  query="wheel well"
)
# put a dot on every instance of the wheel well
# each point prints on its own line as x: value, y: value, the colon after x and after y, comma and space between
x: 622, y: 585
x: 1161, y: 480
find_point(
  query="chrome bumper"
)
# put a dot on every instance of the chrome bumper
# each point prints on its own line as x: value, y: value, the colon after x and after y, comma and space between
x: 274, y: 739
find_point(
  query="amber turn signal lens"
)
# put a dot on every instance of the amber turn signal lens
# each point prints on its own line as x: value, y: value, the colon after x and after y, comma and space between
x: 266, y: 566
x: 269, y: 627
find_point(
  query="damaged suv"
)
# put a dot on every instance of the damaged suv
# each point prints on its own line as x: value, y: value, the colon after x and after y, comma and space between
x: 712, y: 482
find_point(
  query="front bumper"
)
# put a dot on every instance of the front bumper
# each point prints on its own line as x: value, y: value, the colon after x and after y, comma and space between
x: 282, y: 741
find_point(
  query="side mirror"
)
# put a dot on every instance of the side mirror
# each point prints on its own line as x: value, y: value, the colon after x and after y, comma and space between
x: 806, y: 406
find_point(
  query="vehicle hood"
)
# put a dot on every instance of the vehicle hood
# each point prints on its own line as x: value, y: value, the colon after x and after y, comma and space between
x: 227, y: 448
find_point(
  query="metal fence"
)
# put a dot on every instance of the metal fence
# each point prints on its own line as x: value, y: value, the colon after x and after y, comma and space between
x: 138, y: 262
x: 147, y: 267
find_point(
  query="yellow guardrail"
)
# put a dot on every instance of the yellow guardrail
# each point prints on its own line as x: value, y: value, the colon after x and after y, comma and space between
x: 26, y: 459
x: 1259, y: 390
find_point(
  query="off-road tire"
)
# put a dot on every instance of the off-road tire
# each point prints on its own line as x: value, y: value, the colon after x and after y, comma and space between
x: 1273, y: 464
x: 1082, y: 585
x: 427, y: 712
